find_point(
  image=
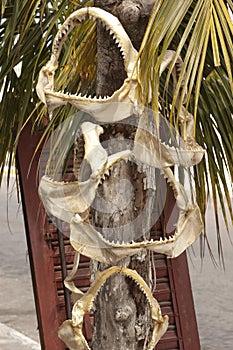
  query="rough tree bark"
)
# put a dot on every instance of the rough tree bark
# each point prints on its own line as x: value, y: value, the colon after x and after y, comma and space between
x: 121, y: 319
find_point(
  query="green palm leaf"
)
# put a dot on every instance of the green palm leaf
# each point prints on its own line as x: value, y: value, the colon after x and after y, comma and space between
x: 26, y: 34
x: 201, y: 33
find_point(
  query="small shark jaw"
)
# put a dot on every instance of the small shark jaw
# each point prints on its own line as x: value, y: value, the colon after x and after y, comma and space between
x: 70, y: 332
x: 88, y: 241
x: 100, y: 108
x: 64, y: 200
x: 149, y: 148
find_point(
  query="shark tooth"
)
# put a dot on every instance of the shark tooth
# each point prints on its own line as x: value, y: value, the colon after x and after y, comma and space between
x: 107, y: 172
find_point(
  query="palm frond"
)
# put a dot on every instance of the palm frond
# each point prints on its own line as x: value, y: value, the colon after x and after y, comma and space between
x: 201, y: 33
x: 26, y: 33
x: 186, y: 28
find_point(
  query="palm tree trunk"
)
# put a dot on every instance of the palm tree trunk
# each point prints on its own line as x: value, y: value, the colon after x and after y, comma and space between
x: 121, y: 319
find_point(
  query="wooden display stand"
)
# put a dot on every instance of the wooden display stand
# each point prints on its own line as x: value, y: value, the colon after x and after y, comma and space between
x: 51, y: 258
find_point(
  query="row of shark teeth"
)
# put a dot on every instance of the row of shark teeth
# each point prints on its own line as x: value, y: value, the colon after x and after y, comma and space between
x: 117, y: 42
x: 77, y: 18
x: 85, y: 305
x: 67, y: 95
x: 56, y: 182
x: 133, y: 278
x: 179, y: 149
x: 64, y: 31
x: 164, y: 173
x: 132, y: 274
x: 185, y: 147
x: 103, y: 175
x: 162, y: 240
x: 132, y: 243
x: 116, y: 39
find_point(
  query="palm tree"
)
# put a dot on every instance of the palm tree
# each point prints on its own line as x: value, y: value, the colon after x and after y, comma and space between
x: 198, y: 31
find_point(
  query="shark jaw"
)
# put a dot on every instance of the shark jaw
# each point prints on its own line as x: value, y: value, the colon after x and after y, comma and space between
x: 70, y: 332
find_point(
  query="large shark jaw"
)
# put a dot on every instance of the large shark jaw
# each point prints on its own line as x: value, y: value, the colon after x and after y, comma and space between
x: 85, y: 238
x: 149, y: 148
x: 71, y: 330
x: 64, y: 200
x: 124, y: 101
x: 100, y: 108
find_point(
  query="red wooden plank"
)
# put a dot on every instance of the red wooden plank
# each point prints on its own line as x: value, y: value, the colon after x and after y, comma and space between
x: 39, y: 250
x: 182, y: 298
x: 185, y: 304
